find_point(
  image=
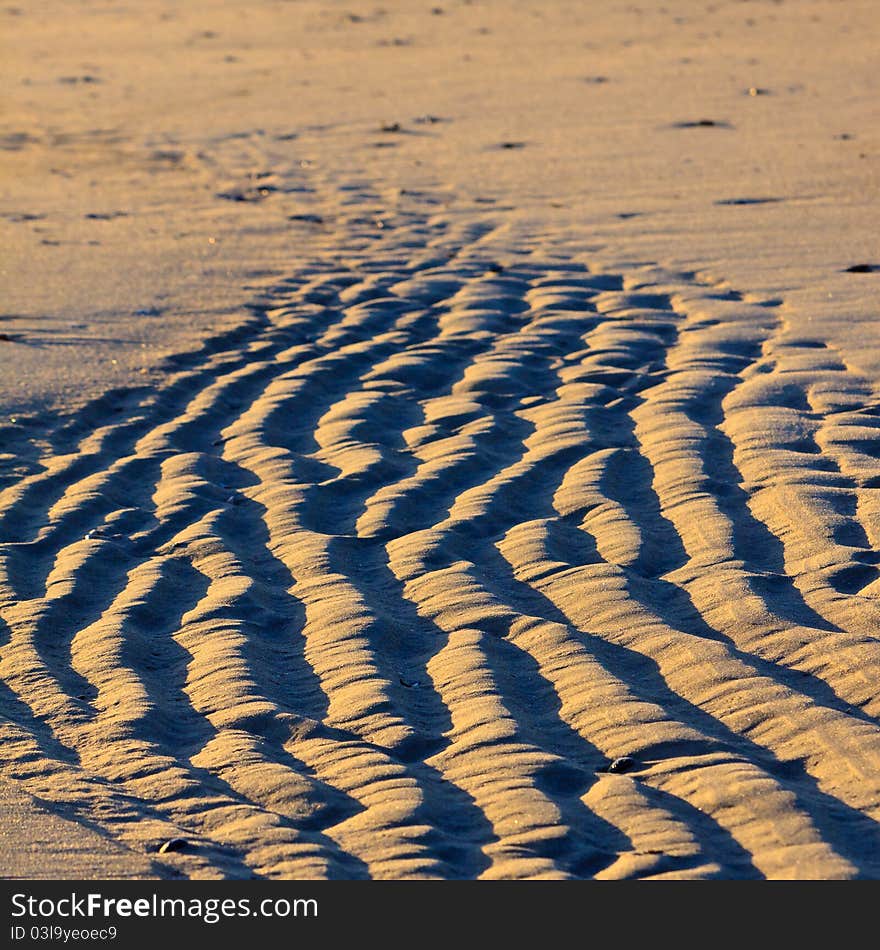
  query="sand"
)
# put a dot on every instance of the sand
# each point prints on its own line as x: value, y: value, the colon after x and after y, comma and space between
x: 439, y: 442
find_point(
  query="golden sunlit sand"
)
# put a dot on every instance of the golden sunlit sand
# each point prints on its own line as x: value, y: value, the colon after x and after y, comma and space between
x: 439, y: 442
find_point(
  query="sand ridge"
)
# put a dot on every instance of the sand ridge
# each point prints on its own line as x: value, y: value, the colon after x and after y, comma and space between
x: 382, y: 581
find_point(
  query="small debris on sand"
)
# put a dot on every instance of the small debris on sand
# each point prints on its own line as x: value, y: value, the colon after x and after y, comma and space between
x: 172, y: 845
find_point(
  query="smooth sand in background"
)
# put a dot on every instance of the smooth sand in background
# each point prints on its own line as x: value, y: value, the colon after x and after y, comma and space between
x: 523, y: 419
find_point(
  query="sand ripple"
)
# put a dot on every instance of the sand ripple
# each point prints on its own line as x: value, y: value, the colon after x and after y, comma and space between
x: 380, y: 583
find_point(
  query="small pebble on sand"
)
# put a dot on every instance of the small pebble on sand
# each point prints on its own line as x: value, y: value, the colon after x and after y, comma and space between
x: 173, y: 844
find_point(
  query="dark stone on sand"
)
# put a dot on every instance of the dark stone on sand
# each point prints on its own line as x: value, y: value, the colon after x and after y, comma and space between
x: 863, y: 269
x: 391, y: 127
x: 623, y: 763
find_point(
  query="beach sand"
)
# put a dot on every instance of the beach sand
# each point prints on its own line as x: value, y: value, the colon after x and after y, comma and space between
x: 439, y: 441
